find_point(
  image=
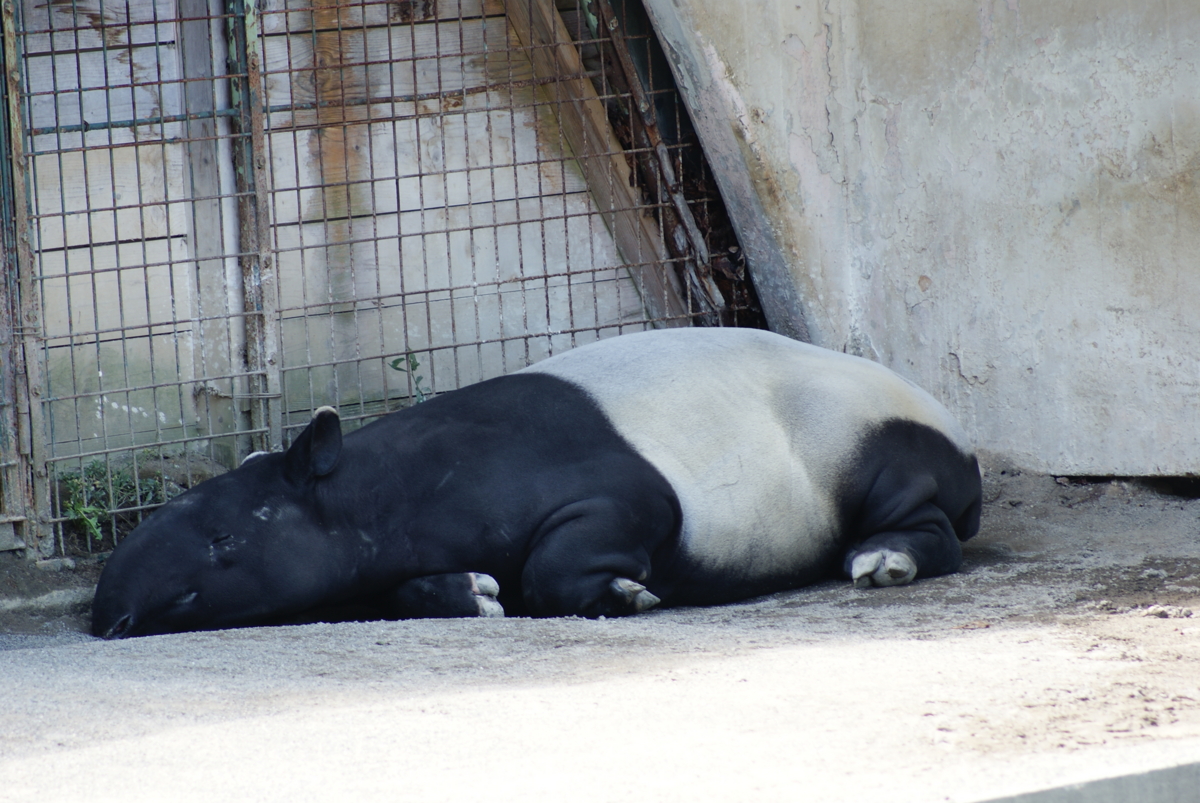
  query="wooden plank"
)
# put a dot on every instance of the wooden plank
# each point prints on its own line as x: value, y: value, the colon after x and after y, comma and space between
x: 260, y: 278
x: 734, y: 167
x: 438, y: 250
x: 107, y: 195
x: 63, y: 26
x: 430, y: 162
x: 30, y: 476
x: 378, y: 63
x: 122, y: 288
x: 101, y: 88
x: 494, y: 273
x: 295, y: 16
x: 587, y: 133
x: 222, y: 342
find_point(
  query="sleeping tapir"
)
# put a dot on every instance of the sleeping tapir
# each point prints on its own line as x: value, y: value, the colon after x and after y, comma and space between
x: 673, y: 467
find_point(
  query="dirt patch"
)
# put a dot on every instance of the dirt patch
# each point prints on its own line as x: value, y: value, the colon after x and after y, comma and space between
x: 1166, y: 585
x: 46, y: 597
x: 1069, y: 546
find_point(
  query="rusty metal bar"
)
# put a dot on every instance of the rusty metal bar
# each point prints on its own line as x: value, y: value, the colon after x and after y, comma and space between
x: 31, y: 477
x: 13, y: 471
x: 221, y: 350
x: 259, y: 275
x: 158, y: 119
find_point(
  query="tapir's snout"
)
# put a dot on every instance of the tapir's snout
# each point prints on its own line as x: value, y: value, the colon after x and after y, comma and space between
x: 115, y: 613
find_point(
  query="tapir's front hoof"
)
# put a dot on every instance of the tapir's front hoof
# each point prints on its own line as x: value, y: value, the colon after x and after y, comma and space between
x: 438, y: 596
x: 631, y: 596
x: 486, y: 589
x: 882, y: 567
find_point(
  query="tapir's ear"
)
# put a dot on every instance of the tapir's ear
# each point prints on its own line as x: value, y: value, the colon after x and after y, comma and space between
x: 316, y: 450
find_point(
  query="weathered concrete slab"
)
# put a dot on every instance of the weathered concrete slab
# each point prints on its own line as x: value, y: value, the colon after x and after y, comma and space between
x: 1170, y: 785
x: 998, y: 200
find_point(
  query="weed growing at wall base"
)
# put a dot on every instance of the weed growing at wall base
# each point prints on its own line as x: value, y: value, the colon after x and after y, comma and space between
x: 420, y: 394
x: 103, y: 499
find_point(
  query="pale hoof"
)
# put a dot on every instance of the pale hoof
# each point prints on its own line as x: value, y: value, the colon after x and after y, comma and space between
x: 633, y: 594
x: 882, y: 567
x: 486, y: 589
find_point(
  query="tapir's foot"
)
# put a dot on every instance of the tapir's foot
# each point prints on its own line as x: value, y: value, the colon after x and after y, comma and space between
x: 485, y: 589
x: 882, y: 567
x: 631, y: 596
x: 442, y: 596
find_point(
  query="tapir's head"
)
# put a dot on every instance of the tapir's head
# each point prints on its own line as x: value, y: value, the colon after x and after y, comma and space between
x: 242, y: 548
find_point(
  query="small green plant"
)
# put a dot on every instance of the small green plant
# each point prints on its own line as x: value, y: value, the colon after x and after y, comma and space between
x: 90, y: 497
x: 420, y: 393
x: 86, y: 517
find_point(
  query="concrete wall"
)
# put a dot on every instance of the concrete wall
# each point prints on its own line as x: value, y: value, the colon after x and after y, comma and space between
x: 999, y: 199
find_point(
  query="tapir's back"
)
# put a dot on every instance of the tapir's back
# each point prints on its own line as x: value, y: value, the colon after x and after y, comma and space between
x: 756, y: 433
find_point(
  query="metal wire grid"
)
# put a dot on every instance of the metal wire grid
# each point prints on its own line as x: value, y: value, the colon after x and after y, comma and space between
x: 468, y: 246
x: 368, y: 203
x: 618, y: 44
x: 125, y: 116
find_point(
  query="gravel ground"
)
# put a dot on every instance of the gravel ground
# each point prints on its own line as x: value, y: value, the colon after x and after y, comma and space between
x: 1064, y: 652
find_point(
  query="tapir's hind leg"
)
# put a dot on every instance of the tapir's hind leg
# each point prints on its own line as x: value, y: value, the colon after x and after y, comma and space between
x: 592, y: 559
x: 915, y: 541
x: 896, y: 558
x: 444, y: 596
x: 921, y: 500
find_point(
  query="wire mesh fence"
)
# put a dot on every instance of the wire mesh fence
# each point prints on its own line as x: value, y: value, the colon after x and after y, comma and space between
x: 226, y: 215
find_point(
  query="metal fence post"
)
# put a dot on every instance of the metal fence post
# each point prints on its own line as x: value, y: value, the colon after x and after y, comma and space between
x: 28, y: 470
x: 259, y: 274
x: 13, y: 471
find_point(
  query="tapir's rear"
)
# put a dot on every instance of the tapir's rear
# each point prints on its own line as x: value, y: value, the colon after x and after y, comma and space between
x: 783, y: 455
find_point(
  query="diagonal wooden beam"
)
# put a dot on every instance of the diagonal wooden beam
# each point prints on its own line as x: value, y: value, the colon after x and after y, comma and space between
x: 595, y: 147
